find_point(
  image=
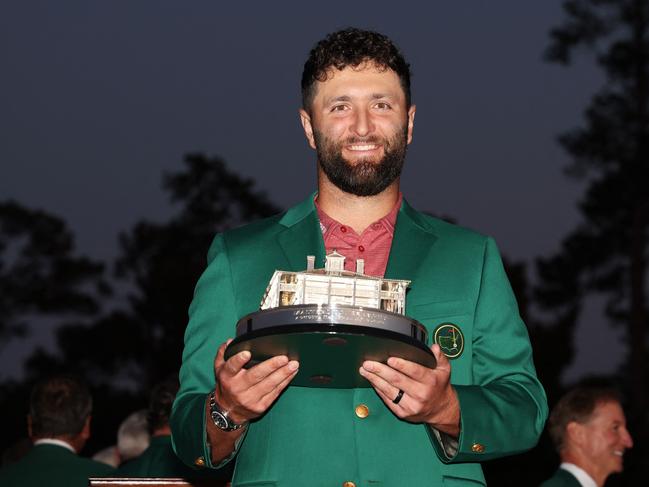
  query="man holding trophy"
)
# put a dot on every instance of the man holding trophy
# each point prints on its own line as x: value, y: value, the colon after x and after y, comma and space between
x: 412, y: 424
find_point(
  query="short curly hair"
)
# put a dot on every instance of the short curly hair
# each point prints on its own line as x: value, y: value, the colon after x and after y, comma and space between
x: 352, y: 47
x: 577, y: 405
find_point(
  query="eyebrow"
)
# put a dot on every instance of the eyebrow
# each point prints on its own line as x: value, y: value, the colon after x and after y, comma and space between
x: 374, y: 96
x: 377, y: 96
x: 335, y: 99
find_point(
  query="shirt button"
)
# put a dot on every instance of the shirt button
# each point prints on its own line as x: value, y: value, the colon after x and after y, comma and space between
x: 199, y: 462
x: 343, y: 228
x: 477, y: 448
x: 362, y: 411
x: 361, y: 248
x: 349, y: 483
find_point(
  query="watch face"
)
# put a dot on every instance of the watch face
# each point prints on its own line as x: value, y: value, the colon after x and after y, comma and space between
x: 220, y: 421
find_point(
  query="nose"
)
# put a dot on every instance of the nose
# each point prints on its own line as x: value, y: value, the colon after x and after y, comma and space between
x: 627, y: 441
x: 362, y: 124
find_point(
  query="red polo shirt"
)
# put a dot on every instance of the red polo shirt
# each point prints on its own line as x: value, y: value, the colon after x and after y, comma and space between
x: 373, y: 245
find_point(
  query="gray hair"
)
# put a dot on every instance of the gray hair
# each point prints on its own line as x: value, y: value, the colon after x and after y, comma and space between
x: 133, y: 435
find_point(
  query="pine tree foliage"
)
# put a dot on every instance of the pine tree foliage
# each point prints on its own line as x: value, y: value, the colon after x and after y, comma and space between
x: 607, y: 253
x: 40, y: 274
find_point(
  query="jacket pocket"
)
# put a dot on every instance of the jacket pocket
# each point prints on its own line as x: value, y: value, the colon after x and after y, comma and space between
x: 448, y: 481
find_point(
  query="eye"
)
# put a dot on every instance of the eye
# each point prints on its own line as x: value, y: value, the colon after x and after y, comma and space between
x: 383, y: 105
x: 339, y: 108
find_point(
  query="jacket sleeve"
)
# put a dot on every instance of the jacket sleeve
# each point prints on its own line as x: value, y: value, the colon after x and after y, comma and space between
x: 212, y: 320
x: 504, y: 410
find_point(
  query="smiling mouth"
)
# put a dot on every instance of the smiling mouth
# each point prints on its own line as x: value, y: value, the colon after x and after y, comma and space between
x: 362, y: 147
x: 618, y: 453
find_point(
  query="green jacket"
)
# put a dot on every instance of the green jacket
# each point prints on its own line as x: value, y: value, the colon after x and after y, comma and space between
x: 312, y: 436
x: 159, y: 460
x: 561, y: 478
x: 54, y: 466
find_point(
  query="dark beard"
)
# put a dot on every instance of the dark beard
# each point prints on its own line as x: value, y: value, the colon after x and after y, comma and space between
x: 365, y: 178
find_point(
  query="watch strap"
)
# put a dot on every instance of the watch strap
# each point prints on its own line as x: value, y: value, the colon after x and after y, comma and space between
x: 220, y: 416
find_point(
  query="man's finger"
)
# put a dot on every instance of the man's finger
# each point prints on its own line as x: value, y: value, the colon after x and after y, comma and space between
x: 272, y: 380
x: 388, y: 374
x: 235, y: 363
x: 386, y: 391
x: 259, y: 398
x: 379, y: 383
x: 398, y: 408
x: 413, y: 370
x: 220, y: 354
x: 260, y: 371
x: 281, y: 379
x: 442, y: 360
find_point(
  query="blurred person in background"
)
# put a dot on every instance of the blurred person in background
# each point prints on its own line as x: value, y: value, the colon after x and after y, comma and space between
x: 133, y: 436
x: 159, y: 459
x: 58, y: 424
x: 108, y: 455
x: 588, y: 428
x: 132, y: 439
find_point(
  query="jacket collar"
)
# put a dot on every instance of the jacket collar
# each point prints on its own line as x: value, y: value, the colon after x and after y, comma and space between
x: 302, y: 235
x: 413, y: 238
x: 55, y: 442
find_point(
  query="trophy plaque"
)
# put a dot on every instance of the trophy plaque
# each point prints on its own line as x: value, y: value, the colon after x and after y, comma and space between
x: 331, y: 320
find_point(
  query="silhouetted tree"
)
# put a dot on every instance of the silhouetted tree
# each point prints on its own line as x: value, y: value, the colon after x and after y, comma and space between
x: 40, y: 276
x: 124, y: 352
x: 607, y: 253
x: 559, y: 295
x: 159, y: 265
x: 163, y: 261
x: 42, y: 281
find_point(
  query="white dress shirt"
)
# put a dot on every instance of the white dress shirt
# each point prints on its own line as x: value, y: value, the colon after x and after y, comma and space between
x: 52, y: 441
x: 580, y: 474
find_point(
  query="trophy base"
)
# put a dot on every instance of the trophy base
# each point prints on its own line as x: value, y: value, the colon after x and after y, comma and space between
x: 330, y: 353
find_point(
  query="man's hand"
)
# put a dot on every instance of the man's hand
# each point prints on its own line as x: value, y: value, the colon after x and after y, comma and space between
x: 247, y: 393
x: 428, y: 396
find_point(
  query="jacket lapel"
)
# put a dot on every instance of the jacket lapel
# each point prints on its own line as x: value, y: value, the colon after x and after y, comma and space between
x: 302, y: 236
x: 412, y: 241
x: 411, y: 244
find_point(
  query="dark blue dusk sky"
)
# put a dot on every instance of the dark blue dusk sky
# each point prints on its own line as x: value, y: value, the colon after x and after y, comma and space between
x: 99, y: 97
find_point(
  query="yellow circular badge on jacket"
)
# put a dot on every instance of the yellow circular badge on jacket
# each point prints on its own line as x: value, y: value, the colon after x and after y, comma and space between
x: 450, y: 339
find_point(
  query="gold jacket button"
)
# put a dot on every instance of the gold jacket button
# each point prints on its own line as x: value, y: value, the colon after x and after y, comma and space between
x: 362, y: 411
x: 349, y: 483
x: 199, y: 462
x: 477, y: 448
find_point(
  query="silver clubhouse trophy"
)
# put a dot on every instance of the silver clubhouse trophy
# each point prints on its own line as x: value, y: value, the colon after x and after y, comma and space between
x: 331, y: 320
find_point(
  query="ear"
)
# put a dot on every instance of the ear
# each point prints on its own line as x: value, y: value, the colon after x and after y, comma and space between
x: 305, y: 118
x: 85, y: 432
x: 575, y: 432
x: 411, y: 121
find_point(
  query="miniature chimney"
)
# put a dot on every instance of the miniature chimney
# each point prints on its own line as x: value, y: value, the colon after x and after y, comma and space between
x: 360, y: 266
x: 310, y: 262
x: 334, y: 262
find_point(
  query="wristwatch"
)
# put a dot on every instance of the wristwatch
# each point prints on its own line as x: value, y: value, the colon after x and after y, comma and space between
x: 220, y: 417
